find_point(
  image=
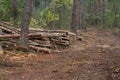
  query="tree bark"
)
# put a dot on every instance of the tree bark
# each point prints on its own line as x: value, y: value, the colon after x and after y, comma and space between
x: 74, y: 17
x: 103, y: 13
x: 53, y: 12
x: 28, y: 10
x: 82, y: 14
x: 115, y: 23
x: 15, y: 12
x: 90, y: 11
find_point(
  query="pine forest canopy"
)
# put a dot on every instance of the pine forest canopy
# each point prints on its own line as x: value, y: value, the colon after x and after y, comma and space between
x: 44, y: 16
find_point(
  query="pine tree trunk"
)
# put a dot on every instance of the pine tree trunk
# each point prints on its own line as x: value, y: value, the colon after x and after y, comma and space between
x: 15, y: 12
x: 98, y: 8
x: 28, y: 10
x: 115, y: 23
x: 60, y: 24
x: 103, y: 13
x: 82, y: 14
x: 90, y: 11
x: 74, y: 17
x: 53, y: 12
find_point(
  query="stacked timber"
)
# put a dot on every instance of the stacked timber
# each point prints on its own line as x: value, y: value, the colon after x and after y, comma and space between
x: 39, y: 40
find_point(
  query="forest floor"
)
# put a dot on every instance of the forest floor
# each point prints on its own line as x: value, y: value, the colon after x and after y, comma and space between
x: 95, y: 57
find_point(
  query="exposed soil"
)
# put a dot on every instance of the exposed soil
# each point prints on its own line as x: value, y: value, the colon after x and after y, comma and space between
x: 95, y: 57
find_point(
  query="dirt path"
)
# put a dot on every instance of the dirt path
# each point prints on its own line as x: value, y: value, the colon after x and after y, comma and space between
x: 96, y: 57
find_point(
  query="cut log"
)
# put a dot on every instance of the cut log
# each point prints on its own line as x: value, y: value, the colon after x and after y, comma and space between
x: 47, y: 31
x: 36, y: 30
x: 7, y: 44
x: 7, y: 30
x: 39, y: 43
x: 40, y: 49
x: 10, y: 36
x: 31, y: 35
x: 65, y: 38
x: 6, y: 23
x: 62, y: 44
x: 60, y: 41
x: 39, y: 38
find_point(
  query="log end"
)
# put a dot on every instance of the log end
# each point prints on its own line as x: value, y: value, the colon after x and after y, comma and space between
x: 1, y: 50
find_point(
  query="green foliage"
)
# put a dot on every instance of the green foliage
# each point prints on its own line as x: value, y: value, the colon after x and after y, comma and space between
x: 46, y: 17
x: 33, y: 23
x: 6, y: 9
x: 64, y: 10
x: 43, y: 16
x: 62, y: 17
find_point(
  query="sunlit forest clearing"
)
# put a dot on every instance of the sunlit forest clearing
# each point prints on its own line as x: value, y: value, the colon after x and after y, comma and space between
x: 59, y: 40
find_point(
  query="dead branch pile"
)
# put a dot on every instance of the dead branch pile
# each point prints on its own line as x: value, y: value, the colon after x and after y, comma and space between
x: 39, y: 40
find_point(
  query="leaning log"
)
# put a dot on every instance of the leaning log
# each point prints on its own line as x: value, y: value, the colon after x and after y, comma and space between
x: 7, y: 30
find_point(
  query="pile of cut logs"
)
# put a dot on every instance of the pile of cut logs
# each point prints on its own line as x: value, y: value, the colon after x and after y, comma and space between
x: 39, y: 40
